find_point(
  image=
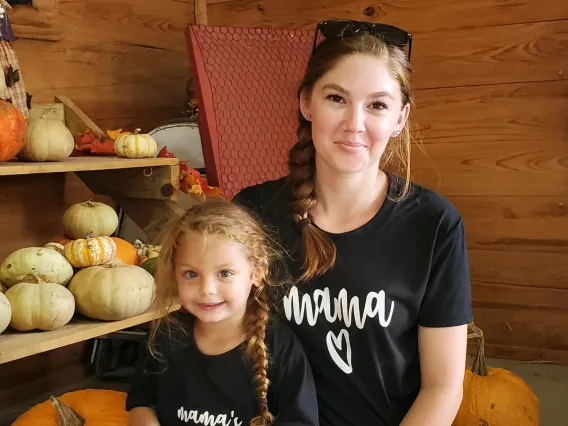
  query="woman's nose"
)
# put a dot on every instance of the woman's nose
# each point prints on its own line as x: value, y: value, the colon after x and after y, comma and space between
x: 355, y: 119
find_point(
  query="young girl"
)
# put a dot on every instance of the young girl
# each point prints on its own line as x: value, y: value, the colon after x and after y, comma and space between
x: 220, y: 360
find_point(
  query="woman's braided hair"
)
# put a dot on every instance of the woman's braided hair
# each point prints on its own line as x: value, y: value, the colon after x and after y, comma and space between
x: 319, y: 251
x: 228, y: 220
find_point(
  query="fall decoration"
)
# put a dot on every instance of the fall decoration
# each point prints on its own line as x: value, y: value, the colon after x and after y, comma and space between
x: 5, y: 312
x: 97, y: 407
x: 190, y: 180
x: 113, y: 292
x: 37, y: 305
x: 47, y: 264
x: 90, y: 217
x: 495, y: 396
x: 12, y: 131
x: 125, y: 252
x: 150, y: 265
x: 90, y: 251
x: 55, y: 246
x: 146, y: 251
x: 47, y: 140
x: 137, y: 145
x: 90, y: 143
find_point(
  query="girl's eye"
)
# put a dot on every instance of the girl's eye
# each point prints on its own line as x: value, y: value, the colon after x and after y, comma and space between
x: 190, y: 274
x: 225, y: 273
x: 334, y: 98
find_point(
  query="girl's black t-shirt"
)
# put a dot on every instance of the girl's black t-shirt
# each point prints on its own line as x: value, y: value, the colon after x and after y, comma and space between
x: 358, y: 323
x: 187, y: 387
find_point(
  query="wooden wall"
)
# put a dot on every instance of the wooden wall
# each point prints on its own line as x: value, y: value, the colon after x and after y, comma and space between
x: 491, y: 87
x: 124, y: 63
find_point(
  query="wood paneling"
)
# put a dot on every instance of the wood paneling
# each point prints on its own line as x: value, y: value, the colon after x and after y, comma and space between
x: 124, y: 63
x: 415, y: 16
x: 492, y: 118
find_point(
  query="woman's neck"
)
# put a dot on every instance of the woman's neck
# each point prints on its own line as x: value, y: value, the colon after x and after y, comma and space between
x: 219, y: 337
x: 346, y: 201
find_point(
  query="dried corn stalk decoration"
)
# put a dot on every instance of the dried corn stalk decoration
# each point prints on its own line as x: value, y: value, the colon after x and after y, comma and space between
x: 12, y: 87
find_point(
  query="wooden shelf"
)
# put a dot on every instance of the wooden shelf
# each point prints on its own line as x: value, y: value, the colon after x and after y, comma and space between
x: 84, y: 163
x: 15, y: 345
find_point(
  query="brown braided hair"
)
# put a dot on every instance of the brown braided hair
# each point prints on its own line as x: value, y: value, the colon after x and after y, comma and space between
x: 228, y: 220
x: 319, y: 251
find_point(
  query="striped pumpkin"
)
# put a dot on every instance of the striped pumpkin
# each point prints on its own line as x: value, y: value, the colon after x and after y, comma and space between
x: 135, y: 145
x: 90, y: 251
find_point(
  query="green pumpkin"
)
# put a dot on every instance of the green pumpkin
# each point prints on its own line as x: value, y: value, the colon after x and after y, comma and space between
x: 150, y: 265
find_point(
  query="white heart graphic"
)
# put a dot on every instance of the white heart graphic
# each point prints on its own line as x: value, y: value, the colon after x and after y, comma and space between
x: 334, y: 342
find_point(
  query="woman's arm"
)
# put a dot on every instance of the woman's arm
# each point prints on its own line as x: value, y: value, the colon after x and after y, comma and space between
x: 442, y: 362
x: 142, y: 416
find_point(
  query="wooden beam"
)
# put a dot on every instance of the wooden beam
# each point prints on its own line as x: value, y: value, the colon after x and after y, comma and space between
x: 200, y: 12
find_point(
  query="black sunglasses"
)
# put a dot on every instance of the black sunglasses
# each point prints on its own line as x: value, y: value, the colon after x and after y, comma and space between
x: 346, y: 28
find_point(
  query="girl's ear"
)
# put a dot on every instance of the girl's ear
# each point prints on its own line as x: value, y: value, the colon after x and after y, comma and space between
x: 257, y: 276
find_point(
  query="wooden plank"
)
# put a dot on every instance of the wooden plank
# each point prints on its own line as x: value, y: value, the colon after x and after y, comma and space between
x: 31, y: 211
x: 528, y: 327
x: 128, y: 22
x: 40, y: 22
x: 160, y: 183
x: 549, y: 270
x: 48, y: 111
x: 529, y: 112
x: 15, y: 345
x: 523, y: 353
x: 491, y: 55
x: 414, y: 16
x: 77, y: 64
x: 493, y: 168
x: 200, y: 12
x: 518, y: 296
x: 76, y: 120
x: 84, y: 163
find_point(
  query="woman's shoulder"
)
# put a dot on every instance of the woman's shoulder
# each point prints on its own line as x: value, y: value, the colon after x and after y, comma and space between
x: 282, y: 342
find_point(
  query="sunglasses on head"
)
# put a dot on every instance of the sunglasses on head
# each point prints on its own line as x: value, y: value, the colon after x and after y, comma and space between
x: 346, y: 28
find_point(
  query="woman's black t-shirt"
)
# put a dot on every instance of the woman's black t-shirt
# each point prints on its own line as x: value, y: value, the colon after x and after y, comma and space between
x: 358, y: 323
x: 187, y: 387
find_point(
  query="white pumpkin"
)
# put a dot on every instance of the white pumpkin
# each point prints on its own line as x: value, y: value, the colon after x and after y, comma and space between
x: 55, y: 246
x: 90, y: 218
x: 5, y: 312
x: 47, y: 140
x: 135, y: 145
x: 48, y: 264
x: 40, y: 306
x: 113, y: 291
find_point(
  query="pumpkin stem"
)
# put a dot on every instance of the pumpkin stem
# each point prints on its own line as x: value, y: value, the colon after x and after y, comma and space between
x: 66, y: 416
x: 46, y: 111
x: 32, y: 279
x: 137, y: 131
x: 479, y: 366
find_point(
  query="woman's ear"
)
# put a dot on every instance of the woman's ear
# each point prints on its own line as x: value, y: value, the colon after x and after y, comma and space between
x: 404, y: 113
x: 305, y: 105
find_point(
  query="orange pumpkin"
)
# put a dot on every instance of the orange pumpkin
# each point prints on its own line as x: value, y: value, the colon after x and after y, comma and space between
x: 495, y: 396
x: 12, y: 131
x: 125, y: 252
x: 98, y: 407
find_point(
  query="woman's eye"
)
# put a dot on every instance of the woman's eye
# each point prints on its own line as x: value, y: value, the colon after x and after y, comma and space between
x: 378, y: 105
x: 225, y: 273
x: 335, y: 98
x: 190, y: 274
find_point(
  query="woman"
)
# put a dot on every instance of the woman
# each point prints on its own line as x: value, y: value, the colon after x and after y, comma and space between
x: 383, y: 298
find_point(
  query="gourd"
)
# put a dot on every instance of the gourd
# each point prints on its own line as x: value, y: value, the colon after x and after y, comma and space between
x: 95, y: 407
x: 47, y: 140
x: 135, y: 145
x: 90, y: 251
x: 37, y: 305
x: 495, y: 396
x: 5, y: 312
x: 55, y: 246
x: 113, y: 292
x: 12, y: 130
x: 47, y: 264
x: 90, y: 217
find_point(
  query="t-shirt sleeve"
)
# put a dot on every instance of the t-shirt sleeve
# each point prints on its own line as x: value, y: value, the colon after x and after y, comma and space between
x: 447, y: 299
x: 292, y: 395
x: 143, y: 390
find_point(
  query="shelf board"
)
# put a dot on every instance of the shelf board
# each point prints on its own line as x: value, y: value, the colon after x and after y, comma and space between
x: 15, y: 345
x: 83, y: 163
